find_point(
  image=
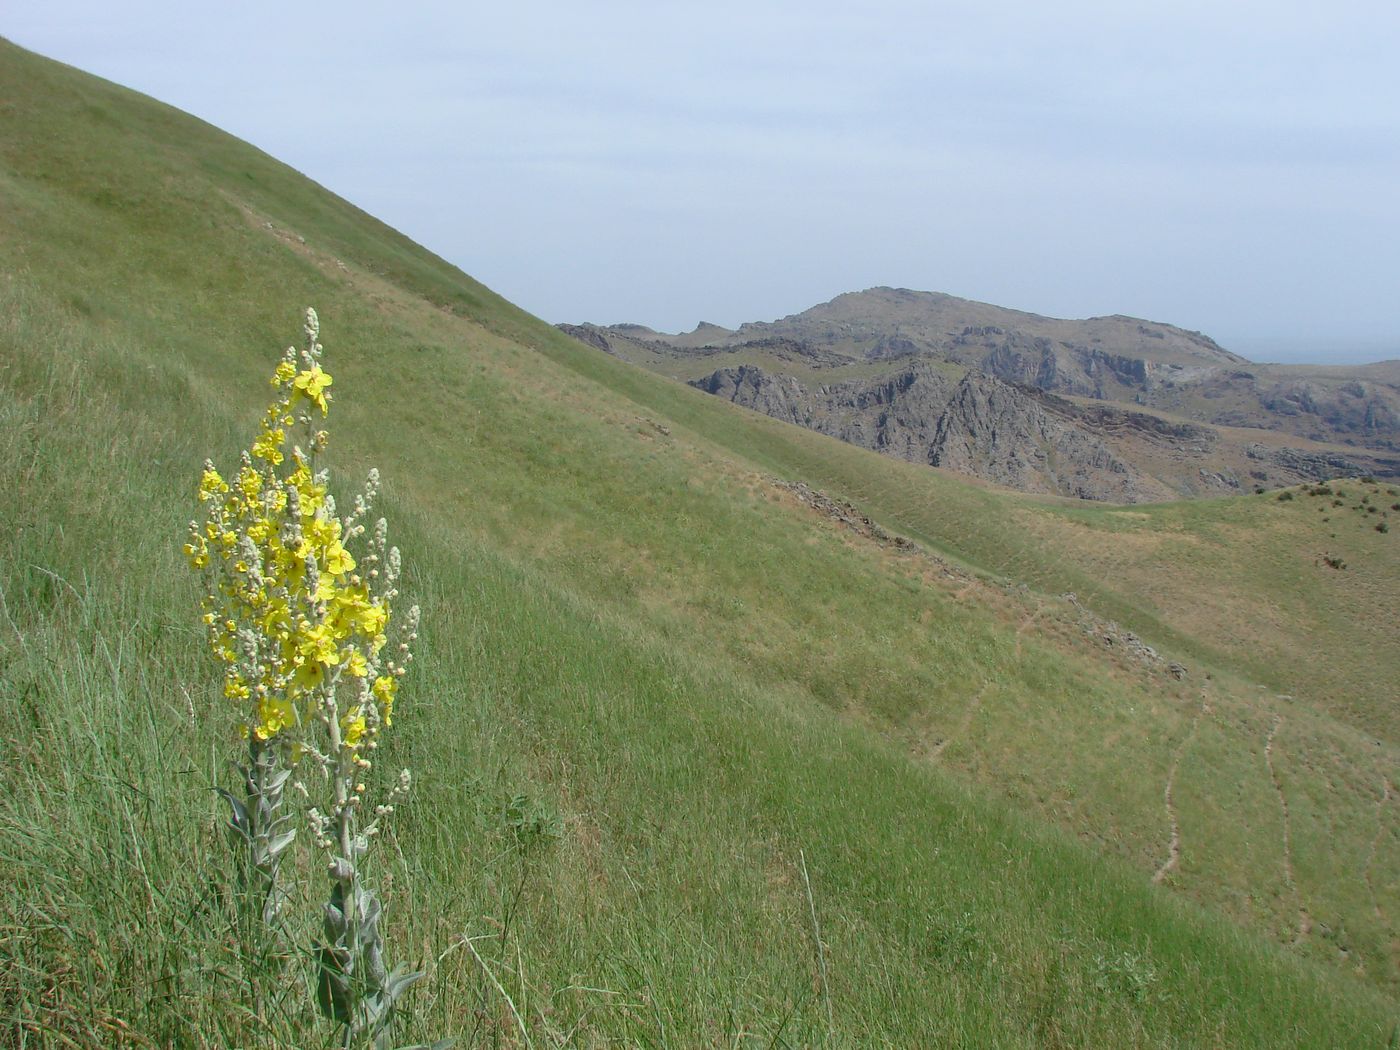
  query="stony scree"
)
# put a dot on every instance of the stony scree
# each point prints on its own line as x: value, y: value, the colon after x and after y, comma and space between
x: 846, y: 514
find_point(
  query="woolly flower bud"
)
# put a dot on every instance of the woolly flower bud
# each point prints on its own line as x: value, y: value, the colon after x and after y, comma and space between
x: 248, y: 642
x: 312, y: 325
x: 252, y: 557
x: 391, y: 574
x: 313, y: 574
x: 401, y: 790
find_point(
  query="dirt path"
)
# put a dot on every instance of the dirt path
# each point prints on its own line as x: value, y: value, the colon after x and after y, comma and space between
x: 965, y: 724
x: 1174, y: 844
x: 1304, y: 919
x: 1387, y: 793
x: 1025, y: 626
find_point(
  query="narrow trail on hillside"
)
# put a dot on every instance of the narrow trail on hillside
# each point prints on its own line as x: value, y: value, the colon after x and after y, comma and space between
x: 1174, y: 844
x: 1025, y: 626
x: 1387, y: 793
x: 1304, y: 919
x: 965, y: 724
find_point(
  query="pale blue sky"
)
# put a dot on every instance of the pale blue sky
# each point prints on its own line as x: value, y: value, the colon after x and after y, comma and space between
x: 1228, y: 166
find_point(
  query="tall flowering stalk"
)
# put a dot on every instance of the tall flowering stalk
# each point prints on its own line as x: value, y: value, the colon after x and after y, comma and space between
x: 301, y: 626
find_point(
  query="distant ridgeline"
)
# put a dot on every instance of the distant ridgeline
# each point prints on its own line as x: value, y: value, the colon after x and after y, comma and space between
x: 1108, y: 408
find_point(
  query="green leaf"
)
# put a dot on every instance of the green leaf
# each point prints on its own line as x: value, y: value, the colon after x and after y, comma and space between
x: 282, y: 841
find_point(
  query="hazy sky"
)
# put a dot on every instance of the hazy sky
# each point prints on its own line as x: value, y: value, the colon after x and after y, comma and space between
x: 1228, y: 166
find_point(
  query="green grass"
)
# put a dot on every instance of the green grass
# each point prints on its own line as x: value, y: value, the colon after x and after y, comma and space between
x: 649, y: 681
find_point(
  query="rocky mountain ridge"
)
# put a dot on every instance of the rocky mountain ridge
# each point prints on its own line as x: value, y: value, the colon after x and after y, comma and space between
x: 1001, y: 394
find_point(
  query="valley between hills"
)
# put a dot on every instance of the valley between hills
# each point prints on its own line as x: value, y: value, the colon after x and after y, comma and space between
x: 724, y: 730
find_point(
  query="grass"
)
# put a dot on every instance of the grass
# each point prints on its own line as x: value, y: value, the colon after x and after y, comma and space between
x: 650, y: 683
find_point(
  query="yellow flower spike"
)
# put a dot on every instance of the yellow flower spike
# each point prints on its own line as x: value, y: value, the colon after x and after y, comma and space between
x: 325, y: 589
x: 384, y: 689
x: 309, y: 676
x: 352, y: 729
x: 268, y: 445
x: 311, y: 384
x: 211, y: 484
x: 319, y: 645
x: 298, y: 661
x: 249, y: 482
x: 338, y: 561
x: 373, y: 620
x: 275, y: 714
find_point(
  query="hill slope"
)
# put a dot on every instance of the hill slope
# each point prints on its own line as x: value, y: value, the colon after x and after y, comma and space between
x: 663, y: 693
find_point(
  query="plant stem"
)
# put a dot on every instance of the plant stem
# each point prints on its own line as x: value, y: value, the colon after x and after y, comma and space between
x: 817, y: 932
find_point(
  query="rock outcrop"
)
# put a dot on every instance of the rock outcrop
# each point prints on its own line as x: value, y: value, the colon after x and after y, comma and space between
x: 979, y: 425
x: 1368, y: 412
x: 1309, y: 465
x: 1000, y: 432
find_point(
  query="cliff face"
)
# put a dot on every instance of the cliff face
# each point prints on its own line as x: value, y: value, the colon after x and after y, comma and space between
x: 1000, y: 432
x: 978, y: 425
x: 1085, y: 371
x: 1027, y: 439
x: 896, y: 415
x: 1359, y: 410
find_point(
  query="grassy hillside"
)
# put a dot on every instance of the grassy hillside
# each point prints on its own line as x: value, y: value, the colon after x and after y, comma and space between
x: 664, y: 713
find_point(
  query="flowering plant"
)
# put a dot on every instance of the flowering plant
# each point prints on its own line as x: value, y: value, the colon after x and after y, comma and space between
x: 301, y: 626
